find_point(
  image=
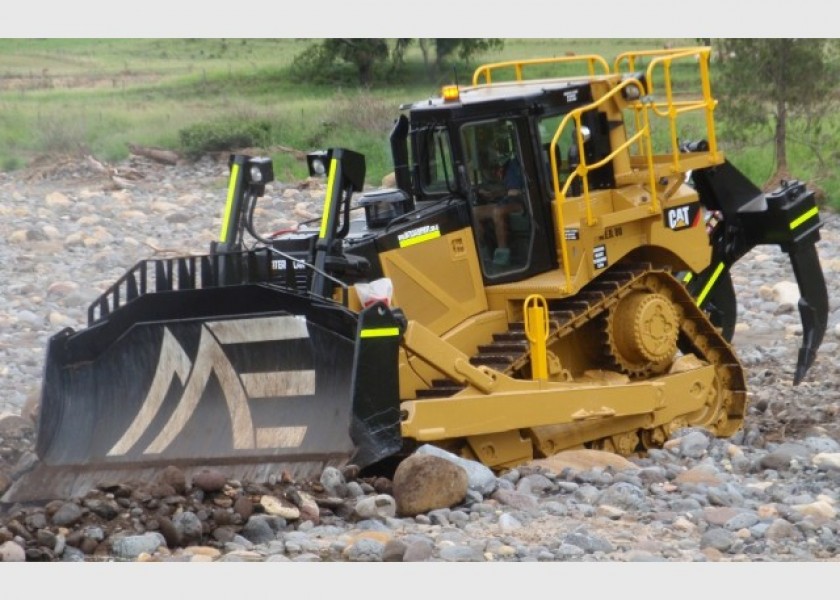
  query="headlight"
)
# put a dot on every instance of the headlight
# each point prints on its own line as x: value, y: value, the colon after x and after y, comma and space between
x: 256, y: 175
x: 317, y: 162
x: 584, y: 131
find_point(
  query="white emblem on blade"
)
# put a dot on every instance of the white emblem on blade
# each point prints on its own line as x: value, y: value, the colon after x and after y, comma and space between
x: 236, y: 388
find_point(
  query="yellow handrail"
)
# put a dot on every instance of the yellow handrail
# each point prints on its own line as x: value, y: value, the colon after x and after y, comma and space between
x: 632, y: 55
x: 642, y: 108
x: 582, y: 169
x: 486, y: 70
x: 671, y: 108
x: 703, y: 54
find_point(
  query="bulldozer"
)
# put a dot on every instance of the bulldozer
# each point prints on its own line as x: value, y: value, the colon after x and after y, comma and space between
x: 549, y: 271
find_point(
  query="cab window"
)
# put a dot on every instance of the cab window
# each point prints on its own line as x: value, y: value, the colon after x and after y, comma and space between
x: 434, y: 161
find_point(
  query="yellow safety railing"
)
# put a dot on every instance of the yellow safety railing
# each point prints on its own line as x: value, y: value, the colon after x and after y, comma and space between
x: 643, y: 106
x: 582, y: 169
x: 672, y: 108
x: 517, y: 65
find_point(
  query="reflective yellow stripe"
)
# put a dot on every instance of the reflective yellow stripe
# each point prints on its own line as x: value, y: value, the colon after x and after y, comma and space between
x: 801, y: 219
x: 328, y: 199
x: 380, y: 332
x: 234, y: 175
x: 688, y: 277
x: 420, y: 239
x: 710, y: 284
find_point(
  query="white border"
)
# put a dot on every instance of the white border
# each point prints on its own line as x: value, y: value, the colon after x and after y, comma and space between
x: 420, y: 18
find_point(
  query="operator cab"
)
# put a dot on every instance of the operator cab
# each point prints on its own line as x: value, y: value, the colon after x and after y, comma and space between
x: 488, y: 147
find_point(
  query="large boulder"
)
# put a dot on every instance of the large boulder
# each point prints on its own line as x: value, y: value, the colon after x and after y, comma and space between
x: 424, y: 482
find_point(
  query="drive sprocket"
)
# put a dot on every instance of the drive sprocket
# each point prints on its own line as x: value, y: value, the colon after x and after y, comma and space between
x: 642, y: 330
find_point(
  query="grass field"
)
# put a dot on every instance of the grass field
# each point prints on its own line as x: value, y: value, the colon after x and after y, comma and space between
x: 98, y: 96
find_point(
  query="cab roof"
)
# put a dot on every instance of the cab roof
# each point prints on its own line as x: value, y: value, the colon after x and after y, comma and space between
x: 512, y: 94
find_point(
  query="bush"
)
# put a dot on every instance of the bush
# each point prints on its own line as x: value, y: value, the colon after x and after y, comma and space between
x: 62, y: 134
x: 365, y: 112
x: 10, y: 163
x: 218, y: 136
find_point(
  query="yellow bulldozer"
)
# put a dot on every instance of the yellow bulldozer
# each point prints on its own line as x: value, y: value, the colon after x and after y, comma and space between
x: 549, y: 271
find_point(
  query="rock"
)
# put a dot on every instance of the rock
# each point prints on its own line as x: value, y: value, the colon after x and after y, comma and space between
x: 132, y: 546
x: 381, y: 506
x: 14, y: 425
x: 418, y: 551
x: 259, y: 530
x: 694, y: 444
x: 57, y: 200
x: 68, y: 514
x: 588, y: 542
x: 333, y: 481
x: 394, y: 551
x: 424, y: 482
x: 583, y: 460
x: 699, y: 475
x: 781, y: 457
x: 782, y: 530
x: 281, y: 508
x: 188, y: 526
x: 244, y: 507
x: 209, y: 480
x: 624, y: 496
x: 827, y: 461
x: 786, y: 294
x: 479, y: 477
x: 174, y: 477
x: 12, y: 552
x: 365, y: 550
x: 820, y: 509
x: 718, y: 538
x: 309, y: 509
x: 517, y: 500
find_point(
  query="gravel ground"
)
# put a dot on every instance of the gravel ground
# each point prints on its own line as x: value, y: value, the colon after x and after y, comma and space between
x: 768, y: 494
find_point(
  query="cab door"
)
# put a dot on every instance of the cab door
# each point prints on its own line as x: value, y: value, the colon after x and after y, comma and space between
x: 510, y: 223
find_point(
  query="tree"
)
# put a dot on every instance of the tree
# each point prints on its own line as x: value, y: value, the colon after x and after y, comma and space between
x: 770, y: 81
x: 466, y: 48
x: 318, y: 61
x: 398, y: 53
x: 362, y: 52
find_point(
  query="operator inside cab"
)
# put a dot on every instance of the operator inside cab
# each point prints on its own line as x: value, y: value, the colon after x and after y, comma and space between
x: 498, y: 200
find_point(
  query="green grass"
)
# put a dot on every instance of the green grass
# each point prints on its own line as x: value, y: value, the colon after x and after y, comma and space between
x: 97, y: 96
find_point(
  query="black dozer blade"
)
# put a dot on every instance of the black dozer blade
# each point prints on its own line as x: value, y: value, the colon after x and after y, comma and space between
x: 249, y: 379
x: 787, y: 216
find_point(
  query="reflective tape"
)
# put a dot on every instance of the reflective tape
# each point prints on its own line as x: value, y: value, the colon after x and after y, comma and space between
x: 234, y: 176
x: 420, y: 239
x: 802, y: 218
x: 328, y: 199
x: 708, y: 287
x: 380, y: 332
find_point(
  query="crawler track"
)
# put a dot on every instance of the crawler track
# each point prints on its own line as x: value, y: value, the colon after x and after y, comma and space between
x: 724, y: 411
